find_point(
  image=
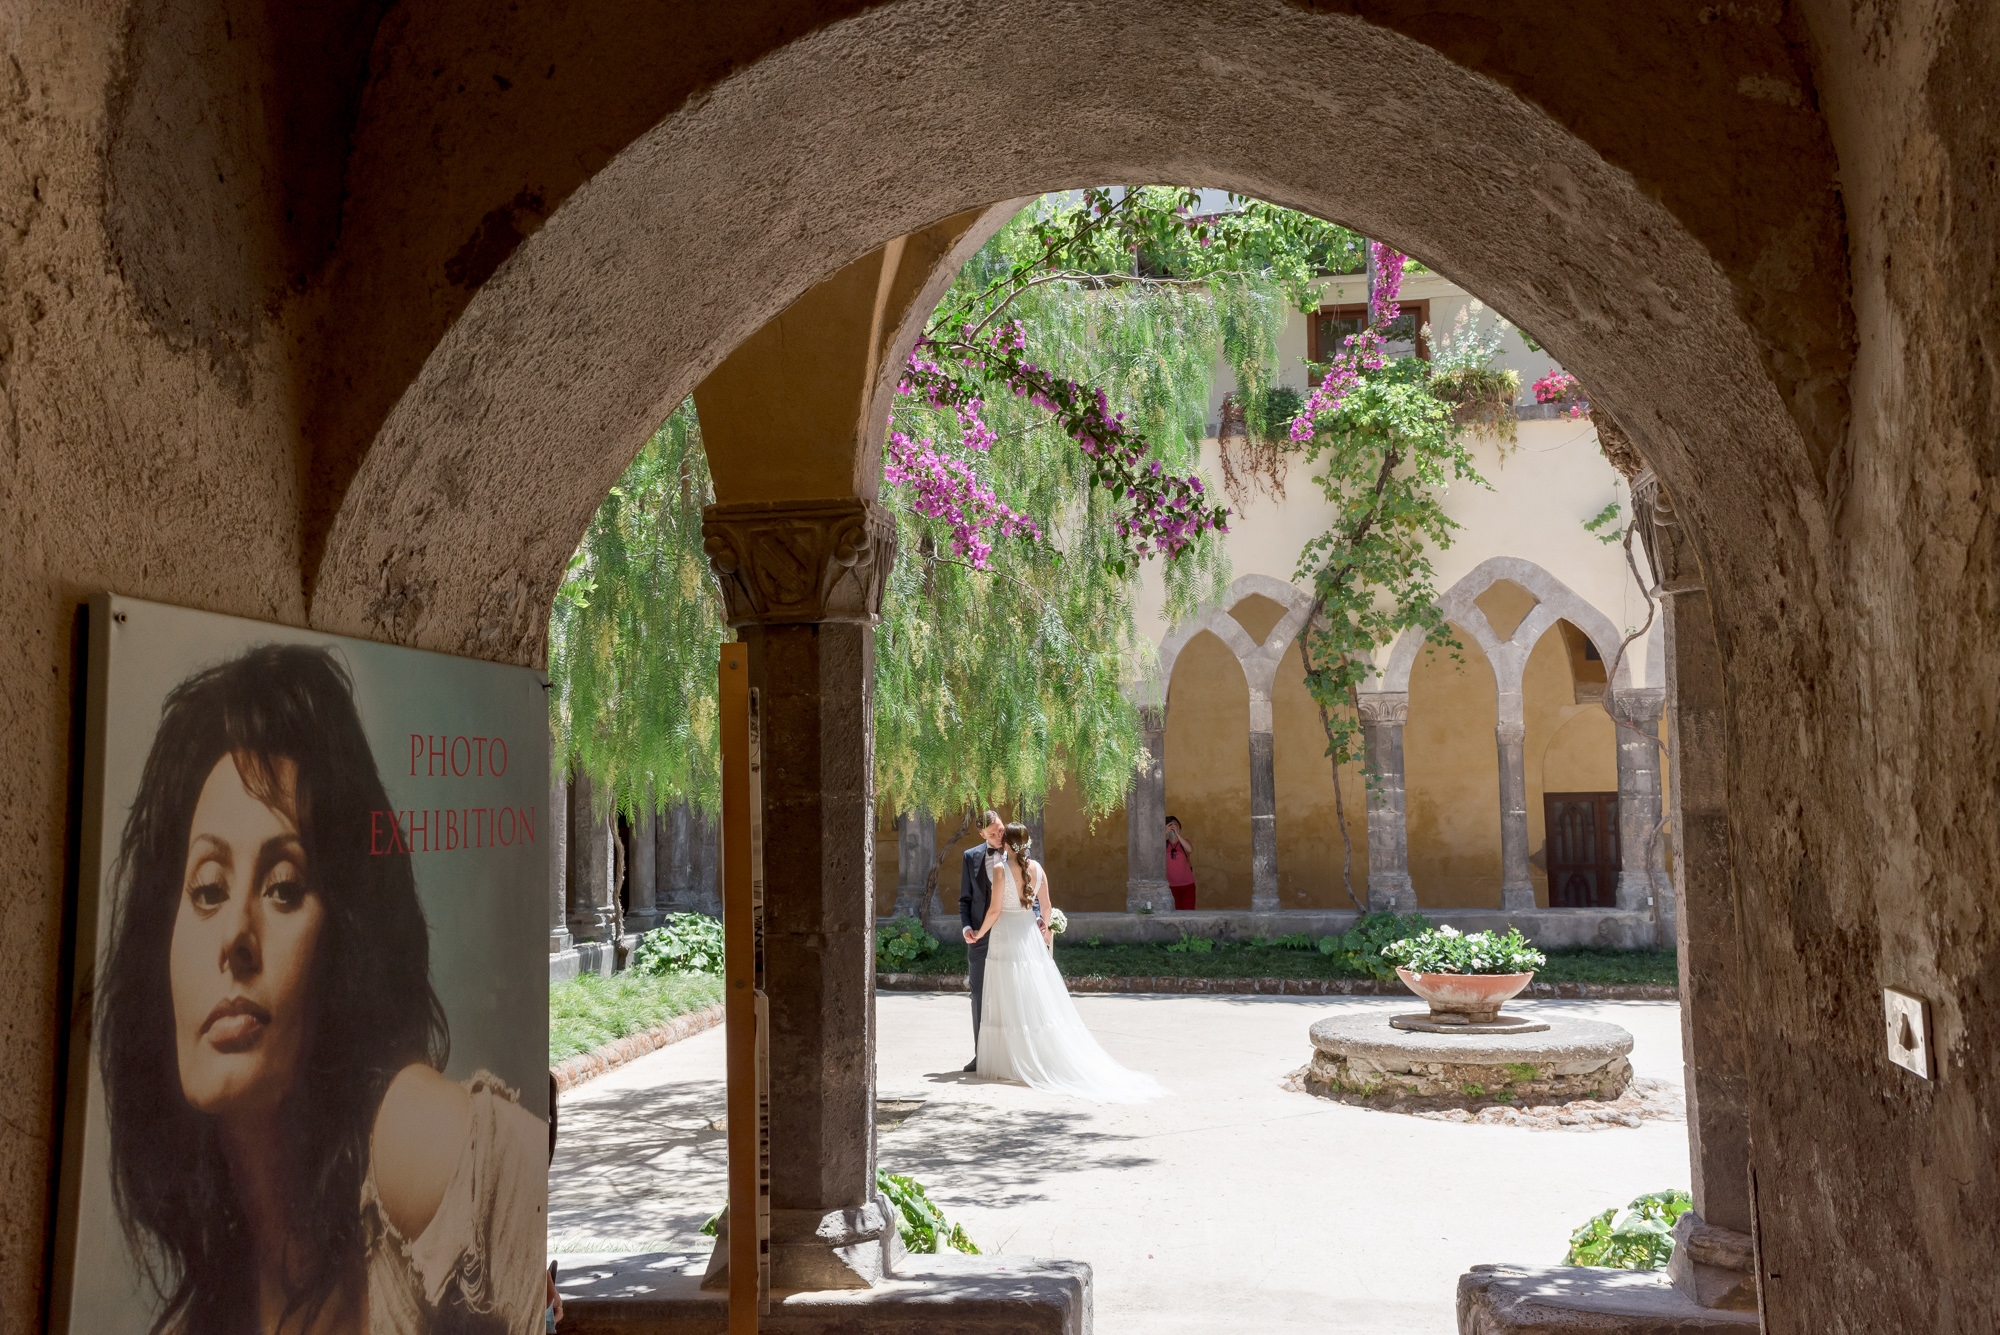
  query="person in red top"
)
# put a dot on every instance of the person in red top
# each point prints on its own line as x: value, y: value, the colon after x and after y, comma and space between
x: 1180, y: 866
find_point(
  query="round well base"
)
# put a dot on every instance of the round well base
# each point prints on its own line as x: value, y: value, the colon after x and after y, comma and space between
x: 1423, y: 1022
x: 1362, y: 1058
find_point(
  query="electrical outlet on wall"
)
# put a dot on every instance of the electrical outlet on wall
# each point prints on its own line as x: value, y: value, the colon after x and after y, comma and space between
x: 1909, y: 1031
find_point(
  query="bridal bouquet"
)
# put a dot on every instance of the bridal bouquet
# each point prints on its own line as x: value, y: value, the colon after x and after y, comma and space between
x: 1058, y: 922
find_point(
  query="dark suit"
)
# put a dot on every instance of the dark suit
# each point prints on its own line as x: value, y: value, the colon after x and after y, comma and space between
x: 975, y: 896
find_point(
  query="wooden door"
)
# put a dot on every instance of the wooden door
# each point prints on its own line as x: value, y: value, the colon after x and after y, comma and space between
x: 1581, y: 849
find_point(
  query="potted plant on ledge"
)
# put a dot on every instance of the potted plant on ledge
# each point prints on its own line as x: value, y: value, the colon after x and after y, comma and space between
x: 1465, y: 979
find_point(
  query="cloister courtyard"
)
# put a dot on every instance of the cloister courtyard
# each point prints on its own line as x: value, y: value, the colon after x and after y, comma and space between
x: 1235, y: 1194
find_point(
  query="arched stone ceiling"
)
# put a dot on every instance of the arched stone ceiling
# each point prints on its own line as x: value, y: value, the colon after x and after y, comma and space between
x: 455, y: 522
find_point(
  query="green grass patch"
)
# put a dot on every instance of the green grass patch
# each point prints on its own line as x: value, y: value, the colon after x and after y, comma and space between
x: 1234, y: 960
x: 592, y: 1010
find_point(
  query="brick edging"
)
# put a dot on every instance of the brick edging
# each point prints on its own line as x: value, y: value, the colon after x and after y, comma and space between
x: 573, y: 1071
x: 1284, y: 987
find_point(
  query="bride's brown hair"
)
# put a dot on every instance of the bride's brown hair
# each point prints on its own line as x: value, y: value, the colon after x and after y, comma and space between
x: 1017, y: 840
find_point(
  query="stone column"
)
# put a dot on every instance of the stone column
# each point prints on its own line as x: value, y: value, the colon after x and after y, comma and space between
x: 1517, y: 888
x: 685, y: 862
x: 802, y: 581
x: 1146, y: 821
x: 1383, y: 714
x: 592, y: 868
x: 1714, y: 1263
x: 1640, y: 838
x: 1263, y: 813
x: 642, y: 913
x: 558, y: 827
x: 916, y: 850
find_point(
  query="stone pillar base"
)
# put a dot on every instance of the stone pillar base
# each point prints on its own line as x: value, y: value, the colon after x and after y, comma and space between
x: 1637, y: 888
x: 1148, y: 897
x: 638, y: 924
x: 1392, y: 894
x: 1514, y: 898
x: 1585, y: 1300
x: 817, y: 1251
x: 1716, y: 1267
x: 963, y: 1295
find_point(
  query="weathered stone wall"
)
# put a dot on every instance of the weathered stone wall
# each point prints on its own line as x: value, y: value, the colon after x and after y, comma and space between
x: 330, y: 318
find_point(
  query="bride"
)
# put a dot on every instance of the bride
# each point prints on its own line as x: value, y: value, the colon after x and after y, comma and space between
x: 1030, y: 1030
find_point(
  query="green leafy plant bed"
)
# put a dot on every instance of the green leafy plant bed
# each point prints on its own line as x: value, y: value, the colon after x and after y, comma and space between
x: 590, y: 1011
x: 1226, y: 959
x: 1640, y: 1239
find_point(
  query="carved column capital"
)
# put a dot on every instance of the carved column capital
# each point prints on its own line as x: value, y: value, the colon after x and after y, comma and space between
x: 1384, y: 707
x: 799, y: 562
x: 1668, y: 541
x: 1639, y: 704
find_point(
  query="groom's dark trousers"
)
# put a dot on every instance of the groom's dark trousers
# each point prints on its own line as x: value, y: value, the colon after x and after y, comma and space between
x: 975, y: 895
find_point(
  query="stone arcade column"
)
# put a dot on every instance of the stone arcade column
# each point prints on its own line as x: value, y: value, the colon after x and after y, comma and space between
x: 1263, y: 809
x: 558, y: 827
x: 916, y: 850
x: 1146, y: 821
x: 1383, y: 714
x: 1517, y: 888
x: 1640, y: 837
x: 642, y: 912
x: 685, y: 863
x: 1714, y: 1258
x: 802, y: 581
x: 592, y: 869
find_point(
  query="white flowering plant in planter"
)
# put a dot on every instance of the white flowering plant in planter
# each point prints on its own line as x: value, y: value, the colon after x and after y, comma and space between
x: 1448, y: 950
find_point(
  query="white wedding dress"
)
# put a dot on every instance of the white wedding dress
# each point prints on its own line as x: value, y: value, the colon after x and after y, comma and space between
x: 1029, y: 1029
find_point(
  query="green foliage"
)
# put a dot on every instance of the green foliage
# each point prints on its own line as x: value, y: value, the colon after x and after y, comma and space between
x: 1447, y: 950
x: 901, y: 943
x: 1359, y: 948
x: 1192, y: 945
x: 919, y: 1222
x: 1386, y: 456
x: 685, y: 943
x: 1641, y: 1239
x: 1111, y: 960
x: 592, y: 1010
x: 634, y: 632
x: 1295, y: 941
x: 1604, y: 525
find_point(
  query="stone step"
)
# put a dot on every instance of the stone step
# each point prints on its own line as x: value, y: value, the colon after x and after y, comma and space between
x: 1585, y: 1300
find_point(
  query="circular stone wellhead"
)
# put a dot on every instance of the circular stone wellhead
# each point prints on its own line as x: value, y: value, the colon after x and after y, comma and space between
x: 1359, y: 1058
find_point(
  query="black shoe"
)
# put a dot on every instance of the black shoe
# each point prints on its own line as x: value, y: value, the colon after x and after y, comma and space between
x: 971, y: 1066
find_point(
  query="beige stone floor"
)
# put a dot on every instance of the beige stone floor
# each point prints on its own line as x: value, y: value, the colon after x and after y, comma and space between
x: 1234, y: 1205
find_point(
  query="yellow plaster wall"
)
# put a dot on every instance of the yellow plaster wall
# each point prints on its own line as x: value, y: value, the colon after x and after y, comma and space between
x: 1086, y: 865
x: 1451, y: 779
x: 1309, y: 847
x: 1208, y: 768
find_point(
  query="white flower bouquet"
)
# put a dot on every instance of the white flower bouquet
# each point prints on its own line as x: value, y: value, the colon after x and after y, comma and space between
x: 1058, y: 922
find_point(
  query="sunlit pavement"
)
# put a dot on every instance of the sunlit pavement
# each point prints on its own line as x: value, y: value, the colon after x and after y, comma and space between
x: 1235, y: 1204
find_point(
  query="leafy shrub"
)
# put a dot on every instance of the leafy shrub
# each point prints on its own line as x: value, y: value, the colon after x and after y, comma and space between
x: 1642, y: 1239
x: 1360, y: 946
x: 1192, y: 945
x: 920, y: 1223
x: 1295, y: 941
x: 1447, y: 950
x: 902, y: 942
x: 685, y: 943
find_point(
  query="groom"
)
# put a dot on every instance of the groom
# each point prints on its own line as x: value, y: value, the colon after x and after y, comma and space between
x: 975, y: 895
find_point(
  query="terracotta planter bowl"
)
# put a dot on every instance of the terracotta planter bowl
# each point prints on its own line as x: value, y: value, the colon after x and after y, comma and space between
x: 1465, y: 998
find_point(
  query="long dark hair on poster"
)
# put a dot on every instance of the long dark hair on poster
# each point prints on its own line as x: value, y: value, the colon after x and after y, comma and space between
x: 286, y: 714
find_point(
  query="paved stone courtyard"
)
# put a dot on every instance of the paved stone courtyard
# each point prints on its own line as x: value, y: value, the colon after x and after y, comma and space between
x: 1235, y: 1205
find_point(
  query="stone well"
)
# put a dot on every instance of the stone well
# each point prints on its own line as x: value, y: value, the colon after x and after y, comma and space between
x: 1361, y: 1058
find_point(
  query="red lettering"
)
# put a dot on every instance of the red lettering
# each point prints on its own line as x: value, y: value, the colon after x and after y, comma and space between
x: 450, y: 831
x: 506, y: 824
x: 375, y: 848
x: 437, y: 758
x: 499, y: 756
x: 458, y: 770
x: 416, y: 749
x: 527, y: 825
x: 420, y: 826
x: 480, y: 743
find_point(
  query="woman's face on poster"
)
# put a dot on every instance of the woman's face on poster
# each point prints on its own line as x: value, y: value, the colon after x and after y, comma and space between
x: 241, y: 959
